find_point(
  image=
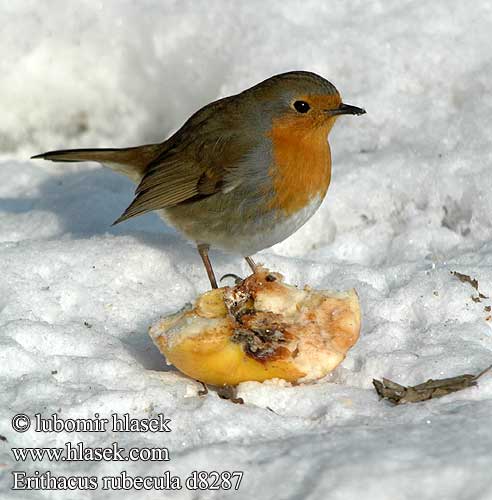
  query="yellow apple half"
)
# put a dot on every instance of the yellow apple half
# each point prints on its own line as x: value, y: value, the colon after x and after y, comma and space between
x: 260, y: 329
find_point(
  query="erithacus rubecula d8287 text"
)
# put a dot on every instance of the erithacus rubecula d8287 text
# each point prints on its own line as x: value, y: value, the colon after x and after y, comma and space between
x: 243, y: 173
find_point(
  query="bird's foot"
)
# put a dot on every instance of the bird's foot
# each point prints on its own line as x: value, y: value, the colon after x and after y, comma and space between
x: 237, y: 279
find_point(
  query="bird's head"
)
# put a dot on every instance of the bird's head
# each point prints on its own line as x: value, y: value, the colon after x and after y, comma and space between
x: 301, y: 101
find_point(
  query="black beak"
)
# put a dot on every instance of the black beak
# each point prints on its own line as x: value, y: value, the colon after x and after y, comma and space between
x: 345, y: 109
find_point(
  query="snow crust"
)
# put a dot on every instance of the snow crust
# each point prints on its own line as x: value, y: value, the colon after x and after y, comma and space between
x: 410, y: 202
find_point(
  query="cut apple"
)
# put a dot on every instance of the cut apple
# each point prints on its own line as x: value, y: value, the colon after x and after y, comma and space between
x: 260, y: 329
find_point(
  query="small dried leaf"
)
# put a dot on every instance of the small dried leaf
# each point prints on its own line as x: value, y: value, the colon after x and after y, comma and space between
x: 399, y: 394
x: 229, y: 392
x: 464, y: 278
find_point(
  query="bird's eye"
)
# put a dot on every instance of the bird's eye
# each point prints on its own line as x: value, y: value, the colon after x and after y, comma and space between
x: 301, y: 106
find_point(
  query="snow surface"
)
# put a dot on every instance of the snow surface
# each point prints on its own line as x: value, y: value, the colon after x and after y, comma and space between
x: 410, y: 202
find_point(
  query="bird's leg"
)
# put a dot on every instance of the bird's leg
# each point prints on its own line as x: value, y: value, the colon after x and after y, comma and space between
x: 251, y: 263
x: 203, y: 251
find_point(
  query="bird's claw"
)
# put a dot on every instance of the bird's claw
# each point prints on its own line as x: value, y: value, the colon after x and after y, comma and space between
x: 237, y: 279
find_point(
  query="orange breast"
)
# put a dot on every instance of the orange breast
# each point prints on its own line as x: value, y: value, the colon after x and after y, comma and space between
x: 301, y: 169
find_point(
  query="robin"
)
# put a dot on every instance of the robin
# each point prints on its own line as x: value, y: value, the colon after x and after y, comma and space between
x: 243, y: 173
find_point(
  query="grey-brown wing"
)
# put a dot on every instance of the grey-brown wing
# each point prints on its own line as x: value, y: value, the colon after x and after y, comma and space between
x: 187, y: 172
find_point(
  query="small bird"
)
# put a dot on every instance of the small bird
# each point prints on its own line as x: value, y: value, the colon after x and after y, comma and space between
x: 243, y: 173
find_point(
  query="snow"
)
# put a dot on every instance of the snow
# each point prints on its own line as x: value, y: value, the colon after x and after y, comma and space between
x: 409, y: 203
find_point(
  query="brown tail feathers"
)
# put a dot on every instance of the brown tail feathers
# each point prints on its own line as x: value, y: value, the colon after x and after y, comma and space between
x: 129, y: 161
